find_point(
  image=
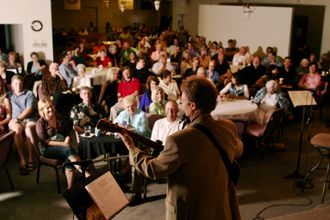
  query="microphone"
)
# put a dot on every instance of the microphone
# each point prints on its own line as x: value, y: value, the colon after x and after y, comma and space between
x: 185, y: 120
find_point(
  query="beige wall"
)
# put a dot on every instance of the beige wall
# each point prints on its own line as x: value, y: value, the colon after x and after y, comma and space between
x: 22, y: 13
x: 190, y: 9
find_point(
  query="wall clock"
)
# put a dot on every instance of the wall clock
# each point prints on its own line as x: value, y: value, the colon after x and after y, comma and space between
x: 36, y: 25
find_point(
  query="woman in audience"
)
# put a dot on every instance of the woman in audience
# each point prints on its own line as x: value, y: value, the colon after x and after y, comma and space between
x: 269, y: 98
x: 235, y: 89
x: 158, y: 102
x: 185, y: 63
x: 5, y: 75
x: 80, y: 80
x: 302, y: 69
x: 193, y: 69
x: 109, y: 89
x: 162, y: 64
x: 132, y: 59
x: 132, y: 117
x: 103, y: 60
x: 55, y: 137
x: 5, y: 108
x: 145, y: 101
x: 169, y: 86
x: 36, y: 66
x: 311, y: 80
x: 13, y: 62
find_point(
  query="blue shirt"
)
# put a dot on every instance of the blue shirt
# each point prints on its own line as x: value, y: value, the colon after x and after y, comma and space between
x: 138, y: 121
x: 21, y: 102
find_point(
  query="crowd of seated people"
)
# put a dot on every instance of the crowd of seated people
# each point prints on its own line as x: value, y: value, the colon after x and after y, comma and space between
x: 148, y: 72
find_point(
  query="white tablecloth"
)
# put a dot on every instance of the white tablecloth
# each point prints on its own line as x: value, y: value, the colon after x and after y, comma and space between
x: 236, y: 109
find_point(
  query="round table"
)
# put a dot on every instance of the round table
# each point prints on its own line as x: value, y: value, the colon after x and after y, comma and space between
x: 235, y: 109
x: 91, y: 147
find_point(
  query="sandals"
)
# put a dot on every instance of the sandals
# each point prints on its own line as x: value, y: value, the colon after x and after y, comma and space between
x: 31, y: 166
x: 23, y: 170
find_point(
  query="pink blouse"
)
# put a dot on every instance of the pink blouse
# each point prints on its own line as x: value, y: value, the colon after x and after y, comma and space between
x: 311, y: 81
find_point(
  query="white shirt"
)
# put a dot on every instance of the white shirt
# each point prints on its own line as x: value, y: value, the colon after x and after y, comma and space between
x: 163, y: 128
x: 172, y: 90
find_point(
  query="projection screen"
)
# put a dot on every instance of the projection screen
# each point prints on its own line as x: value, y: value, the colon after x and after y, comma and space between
x: 266, y: 26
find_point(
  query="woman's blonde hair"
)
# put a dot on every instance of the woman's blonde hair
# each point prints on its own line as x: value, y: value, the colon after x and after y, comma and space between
x: 154, y: 94
x: 273, y: 84
x: 42, y: 104
x: 111, y: 74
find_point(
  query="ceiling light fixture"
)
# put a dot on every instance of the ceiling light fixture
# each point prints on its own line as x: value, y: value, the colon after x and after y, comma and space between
x: 248, y: 10
x: 157, y: 4
x: 122, y: 6
x: 107, y: 3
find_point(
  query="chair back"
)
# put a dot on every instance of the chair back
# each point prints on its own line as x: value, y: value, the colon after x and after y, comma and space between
x: 274, y: 122
x: 152, y: 118
x: 240, y: 127
x: 6, y: 141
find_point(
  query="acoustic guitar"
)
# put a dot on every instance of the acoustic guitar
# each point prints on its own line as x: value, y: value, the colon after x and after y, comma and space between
x: 105, y: 125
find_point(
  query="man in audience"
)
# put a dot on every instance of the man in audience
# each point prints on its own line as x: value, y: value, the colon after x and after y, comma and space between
x: 128, y: 86
x: 141, y: 72
x: 271, y: 59
x: 253, y: 72
x: 166, y: 126
x: 242, y: 57
x: 287, y: 72
x: 169, y: 85
x: 86, y: 113
x: 52, y: 82
x: 67, y: 68
x: 213, y: 75
x: 23, y: 103
x: 230, y: 50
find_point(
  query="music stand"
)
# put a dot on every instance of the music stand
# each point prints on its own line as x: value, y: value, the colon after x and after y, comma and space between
x: 303, y: 99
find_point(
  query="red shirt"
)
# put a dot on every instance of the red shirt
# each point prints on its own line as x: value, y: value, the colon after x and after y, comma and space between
x: 104, y: 63
x: 127, y: 88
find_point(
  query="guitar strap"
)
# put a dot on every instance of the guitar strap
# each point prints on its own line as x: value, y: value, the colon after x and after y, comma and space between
x: 229, y: 166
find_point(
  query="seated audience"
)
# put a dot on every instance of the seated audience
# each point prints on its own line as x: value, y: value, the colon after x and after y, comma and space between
x: 5, y: 75
x: 13, y: 64
x: 185, y: 63
x: 269, y: 98
x: 5, y: 108
x: 235, y: 89
x: 23, y: 103
x: 193, y: 70
x: 86, y: 113
x: 311, y: 80
x: 128, y: 86
x: 213, y: 75
x: 109, y: 89
x: 271, y: 59
x: 166, y: 126
x: 302, y: 69
x: 158, y: 102
x: 169, y: 85
x: 80, y: 80
x: 222, y: 65
x: 242, y: 57
x: 230, y: 50
x: 253, y: 72
x: 103, y: 61
x: 140, y: 71
x: 36, y: 66
x: 53, y: 83
x: 287, y: 72
x: 132, y: 60
x: 145, y: 101
x: 67, y: 68
x: 161, y: 65
x: 272, y: 74
x: 55, y: 137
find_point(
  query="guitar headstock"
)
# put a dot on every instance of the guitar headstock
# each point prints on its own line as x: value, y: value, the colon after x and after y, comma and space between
x: 105, y: 125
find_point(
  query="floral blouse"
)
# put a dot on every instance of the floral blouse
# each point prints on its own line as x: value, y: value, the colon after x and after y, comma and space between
x: 82, y: 114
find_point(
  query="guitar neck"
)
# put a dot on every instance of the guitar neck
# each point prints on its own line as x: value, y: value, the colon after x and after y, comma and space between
x: 145, y: 141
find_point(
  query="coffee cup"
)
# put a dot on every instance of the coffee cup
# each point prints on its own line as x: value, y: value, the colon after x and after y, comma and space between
x: 87, y: 130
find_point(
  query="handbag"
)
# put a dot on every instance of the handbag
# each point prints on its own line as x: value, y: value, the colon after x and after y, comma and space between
x: 233, y: 168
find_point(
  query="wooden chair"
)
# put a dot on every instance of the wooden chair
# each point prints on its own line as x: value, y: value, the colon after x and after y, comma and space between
x: 56, y: 164
x: 265, y: 131
x: 6, y: 141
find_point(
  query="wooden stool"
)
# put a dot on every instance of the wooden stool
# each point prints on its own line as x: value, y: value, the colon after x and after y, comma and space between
x: 321, y: 142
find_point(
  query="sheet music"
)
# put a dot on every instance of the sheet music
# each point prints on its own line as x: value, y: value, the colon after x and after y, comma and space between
x: 302, y: 98
x: 107, y: 195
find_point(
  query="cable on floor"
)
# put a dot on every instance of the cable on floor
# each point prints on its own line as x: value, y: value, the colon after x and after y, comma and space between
x: 299, y: 194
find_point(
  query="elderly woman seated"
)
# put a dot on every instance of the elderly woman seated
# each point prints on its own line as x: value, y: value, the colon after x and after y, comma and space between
x: 80, y: 80
x: 132, y: 117
x: 269, y: 98
x: 235, y: 89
